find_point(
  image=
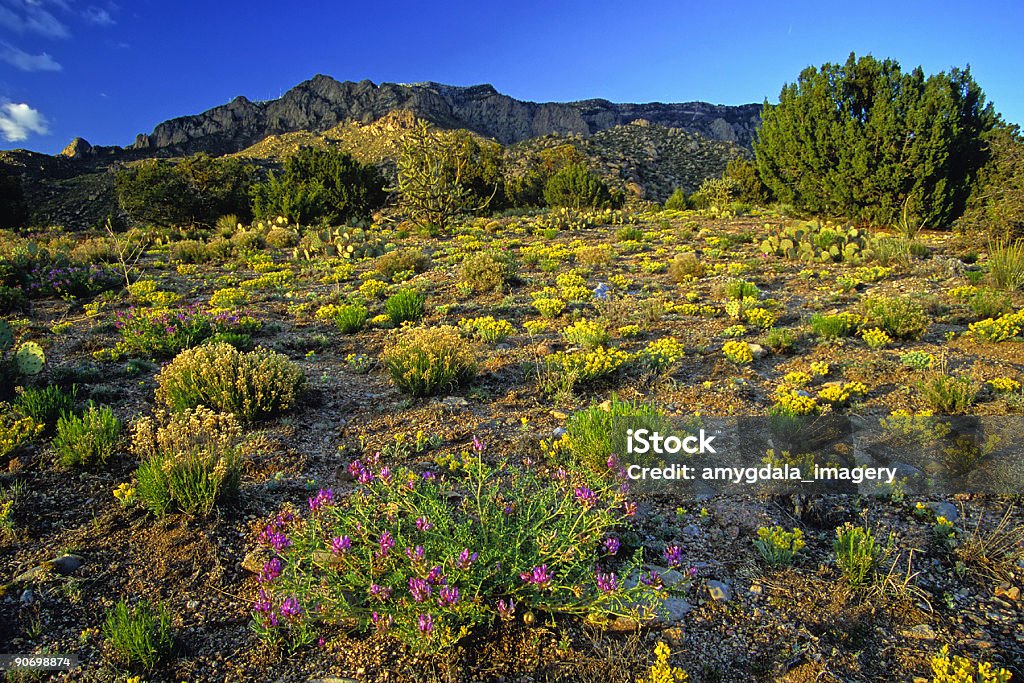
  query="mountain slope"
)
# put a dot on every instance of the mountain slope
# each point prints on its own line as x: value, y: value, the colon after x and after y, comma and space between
x: 322, y: 103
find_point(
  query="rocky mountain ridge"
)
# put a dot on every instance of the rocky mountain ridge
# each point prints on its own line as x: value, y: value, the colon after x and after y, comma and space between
x: 322, y: 102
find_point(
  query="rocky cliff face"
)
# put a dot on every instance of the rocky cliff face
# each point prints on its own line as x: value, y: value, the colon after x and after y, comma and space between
x: 322, y: 102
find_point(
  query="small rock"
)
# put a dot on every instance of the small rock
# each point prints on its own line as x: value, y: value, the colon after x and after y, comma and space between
x: 921, y: 632
x: 1005, y: 590
x: 675, y: 609
x: 27, y: 597
x: 691, y: 530
x: 66, y: 564
x: 454, y: 402
x: 623, y: 625
x: 558, y: 415
x: 757, y: 351
x: 755, y: 589
x: 719, y: 591
x: 673, y: 635
x: 558, y: 432
x: 255, y: 559
x: 947, y: 510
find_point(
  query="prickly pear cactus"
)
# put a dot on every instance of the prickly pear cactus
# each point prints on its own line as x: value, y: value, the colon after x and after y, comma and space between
x: 817, y: 243
x: 6, y: 336
x: 30, y: 358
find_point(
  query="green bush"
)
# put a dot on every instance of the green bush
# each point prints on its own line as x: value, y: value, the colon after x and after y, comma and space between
x: 139, y: 636
x: 988, y: 304
x: 319, y: 186
x: 678, y: 201
x: 428, y: 360
x: 595, y: 434
x: 86, y: 440
x: 852, y: 112
x: 948, y: 395
x: 404, y: 305
x: 350, y: 318
x: 249, y: 385
x: 190, y: 461
x: 857, y: 553
x: 834, y: 326
x: 402, y: 261
x: 900, y: 316
x: 427, y: 559
x: 685, y: 267
x: 46, y: 406
x: 1006, y: 264
x: 576, y: 186
x: 486, y: 271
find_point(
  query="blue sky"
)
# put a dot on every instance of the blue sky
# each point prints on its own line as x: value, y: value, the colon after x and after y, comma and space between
x: 109, y: 69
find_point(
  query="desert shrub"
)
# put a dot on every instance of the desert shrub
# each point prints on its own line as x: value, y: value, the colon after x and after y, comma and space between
x: 190, y: 461
x: 777, y: 546
x: 662, y: 354
x: 404, y: 305
x: 139, y: 636
x: 487, y: 270
x: 780, y: 339
x: 588, y: 334
x: 163, y: 332
x: 428, y: 360
x: 988, y: 304
x: 834, y: 326
x: 319, y: 185
x: 996, y: 204
x: 1006, y: 264
x: 350, y: 318
x: 487, y: 328
x: 88, y: 439
x: 402, y: 261
x: 594, y: 255
x: 596, y: 434
x: 46, y: 406
x: 549, y: 307
x: 576, y: 186
x: 15, y: 430
x: 857, y: 553
x: 685, y: 267
x: 677, y: 201
x: 900, y: 316
x: 248, y: 385
x: 427, y: 558
x: 738, y: 352
x: 739, y: 289
x: 948, y: 395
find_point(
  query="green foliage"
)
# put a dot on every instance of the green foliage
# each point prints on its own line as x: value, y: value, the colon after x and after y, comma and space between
x: 863, y: 138
x: 444, y: 173
x: 587, y: 334
x: 1006, y: 264
x: 46, y: 406
x: 428, y: 360
x: 955, y: 669
x: 817, y: 242
x: 715, y: 195
x: 196, y: 190
x: 780, y: 339
x: 685, y: 267
x: 900, y: 316
x: 319, y: 186
x: 350, y: 318
x: 948, y: 395
x: 190, y: 461
x: 677, y: 201
x: 87, y: 440
x: 249, y: 385
x: 834, y: 326
x: 487, y: 271
x: 989, y: 304
x: 597, y: 433
x: 741, y: 175
x: 425, y: 560
x: 857, y: 554
x: 996, y: 204
x: 405, y: 305
x: 777, y: 546
x: 139, y: 636
x: 402, y: 261
x: 576, y: 186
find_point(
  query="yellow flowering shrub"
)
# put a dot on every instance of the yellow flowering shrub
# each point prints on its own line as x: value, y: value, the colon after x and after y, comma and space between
x: 778, y: 546
x: 487, y: 328
x: 661, y: 671
x: 373, y: 289
x: 424, y: 361
x: 549, y: 307
x: 955, y: 669
x: 588, y: 366
x: 738, y: 352
x: 588, y: 334
x: 876, y: 338
x: 760, y: 317
x: 662, y: 353
x: 1003, y: 328
x: 248, y: 385
x: 1004, y: 385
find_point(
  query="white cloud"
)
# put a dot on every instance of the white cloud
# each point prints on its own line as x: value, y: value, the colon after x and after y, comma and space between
x: 32, y: 16
x: 98, y: 16
x: 27, y: 62
x: 18, y: 121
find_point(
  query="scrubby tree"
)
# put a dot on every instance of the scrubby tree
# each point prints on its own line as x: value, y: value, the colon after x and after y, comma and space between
x: 193, y: 191
x: 996, y: 204
x: 677, y: 201
x: 864, y: 139
x: 443, y: 173
x: 320, y: 185
x: 576, y: 186
x: 742, y: 175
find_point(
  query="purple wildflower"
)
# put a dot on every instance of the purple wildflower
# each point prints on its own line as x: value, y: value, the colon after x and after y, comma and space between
x: 613, y: 462
x: 428, y: 476
x: 419, y: 589
x: 478, y: 445
x: 386, y: 542
x: 447, y: 596
x: 607, y: 582
x: 290, y: 608
x: 629, y: 508
x: 425, y: 624
x: 415, y: 555
x: 262, y: 604
x: 379, y: 592
x: 652, y: 579
x: 612, y: 545
x: 323, y: 498
x: 673, y: 554
x: 506, y: 611
x: 382, y: 623
x: 341, y: 545
x: 538, y: 576
x: 423, y: 524
x: 466, y: 559
x: 385, y: 474
x: 586, y: 497
x: 271, y: 570
x: 435, y: 577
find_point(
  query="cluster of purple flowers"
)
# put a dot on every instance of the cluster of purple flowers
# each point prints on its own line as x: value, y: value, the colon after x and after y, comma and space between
x: 586, y: 497
x: 386, y: 542
x: 673, y: 555
x: 379, y: 592
x: 360, y: 472
x: 466, y: 559
x: 423, y: 524
x: 270, y: 571
x: 274, y: 534
x: 416, y: 554
x: 288, y: 610
x: 607, y: 582
x: 341, y: 545
x: 419, y: 589
x: 538, y: 576
x: 448, y: 596
x: 70, y: 280
x: 323, y: 498
x: 612, y: 545
x: 506, y: 610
